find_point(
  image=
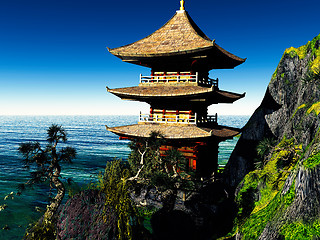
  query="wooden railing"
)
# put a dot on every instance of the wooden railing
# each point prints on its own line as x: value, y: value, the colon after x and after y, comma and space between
x: 170, y: 118
x: 180, y: 78
x: 213, y: 82
x: 209, y: 119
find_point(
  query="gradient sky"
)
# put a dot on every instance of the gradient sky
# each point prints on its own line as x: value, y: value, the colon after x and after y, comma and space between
x: 54, y: 61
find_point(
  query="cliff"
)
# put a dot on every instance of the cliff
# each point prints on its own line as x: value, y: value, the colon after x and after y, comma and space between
x: 274, y: 169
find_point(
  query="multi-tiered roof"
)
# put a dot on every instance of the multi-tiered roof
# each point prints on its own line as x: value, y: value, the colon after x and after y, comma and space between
x: 178, y: 89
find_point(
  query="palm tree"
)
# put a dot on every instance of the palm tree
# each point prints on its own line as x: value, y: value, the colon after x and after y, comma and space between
x: 46, y: 162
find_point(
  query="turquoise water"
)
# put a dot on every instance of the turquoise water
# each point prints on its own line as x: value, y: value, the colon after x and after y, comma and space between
x: 95, y: 146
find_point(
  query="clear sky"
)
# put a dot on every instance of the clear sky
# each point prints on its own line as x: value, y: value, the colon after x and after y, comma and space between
x: 54, y: 61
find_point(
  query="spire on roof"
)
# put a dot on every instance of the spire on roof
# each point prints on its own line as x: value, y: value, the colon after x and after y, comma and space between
x: 182, y: 5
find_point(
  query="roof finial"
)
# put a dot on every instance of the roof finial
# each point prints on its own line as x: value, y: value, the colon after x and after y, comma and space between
x: 182, y: 5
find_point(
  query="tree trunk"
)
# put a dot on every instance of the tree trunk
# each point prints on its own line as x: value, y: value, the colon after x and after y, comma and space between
x: 53, y: 207
x: 48, y: 217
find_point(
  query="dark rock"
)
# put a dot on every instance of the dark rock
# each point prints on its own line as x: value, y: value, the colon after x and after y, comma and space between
x: 242, y: 158
x: 173, y: 225
x: 212, y: 210
x: 207, y: 213
x: 82, y: 217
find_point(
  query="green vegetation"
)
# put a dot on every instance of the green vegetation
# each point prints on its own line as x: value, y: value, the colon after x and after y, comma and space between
x: 152, y: 170
x: 264, y: 148
x: 45, y: 230
x: 302, y: 52
x: 300, y: 230
x: 314, y: 108
x: 315, y: 52
x: 260, y: 199
x: 315, y: 65
x: 297, y: 109
x: 274, y: 75
x: 115, y: 185
x: 44, y: 163
x: 146, y: 213
x: 312, y: 76
x: 145, y: 169
x: 312, y: 161
x: 301, y: 106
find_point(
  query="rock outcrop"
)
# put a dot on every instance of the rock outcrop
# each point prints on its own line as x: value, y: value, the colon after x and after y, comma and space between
x: 284, y: 191
x: 293, y: 87
x: 85, y: 217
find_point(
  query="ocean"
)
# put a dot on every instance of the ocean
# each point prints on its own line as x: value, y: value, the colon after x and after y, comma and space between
x: 95, y: 147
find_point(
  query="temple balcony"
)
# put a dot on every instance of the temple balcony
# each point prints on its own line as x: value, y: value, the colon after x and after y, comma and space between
x: 181, y: 118
x: 179, y: 78
x: 208, y: 120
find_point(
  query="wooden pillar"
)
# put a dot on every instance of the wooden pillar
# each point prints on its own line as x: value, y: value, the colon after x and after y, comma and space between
x: 151, y: 113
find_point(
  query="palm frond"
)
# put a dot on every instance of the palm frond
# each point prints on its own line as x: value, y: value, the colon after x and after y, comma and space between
x: 67, y: 154
x: 38, y: 176
x: 56, y: 133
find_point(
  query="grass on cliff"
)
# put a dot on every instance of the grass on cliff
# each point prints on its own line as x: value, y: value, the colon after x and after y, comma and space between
x: 312, y: 161
x: 260, y: 199
x: 300, y: 230
x: 314, y: 108
x: 311, y: 48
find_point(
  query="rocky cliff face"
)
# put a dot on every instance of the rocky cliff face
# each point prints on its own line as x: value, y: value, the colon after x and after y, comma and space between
x: 278, y: 194
x: 292, y: 90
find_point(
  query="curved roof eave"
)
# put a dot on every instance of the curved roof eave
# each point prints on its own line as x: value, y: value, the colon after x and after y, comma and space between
x: 160, y: 54
x: 190, y: 132
x: 140, y: 58
x: 137, y: 56
x: 128, y: 94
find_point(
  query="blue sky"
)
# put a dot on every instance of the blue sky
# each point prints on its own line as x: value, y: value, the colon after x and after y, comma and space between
x: 53, y: 57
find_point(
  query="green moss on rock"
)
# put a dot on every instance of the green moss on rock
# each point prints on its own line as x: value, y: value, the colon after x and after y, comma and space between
x: 269, y: 182
x: 302, y: 106
x: 314, y: 108
x: 314, y: 47
x: 297, y: 109
x: 300, y: 51
x: 300, y: 230
x: 274, y: 75
x: 255, y: 224
x: 312, y: 161
x: 290, y: 195
x: 311, y: 48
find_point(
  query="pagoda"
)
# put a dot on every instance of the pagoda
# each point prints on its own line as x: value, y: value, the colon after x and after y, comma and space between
x: 179, y: 91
